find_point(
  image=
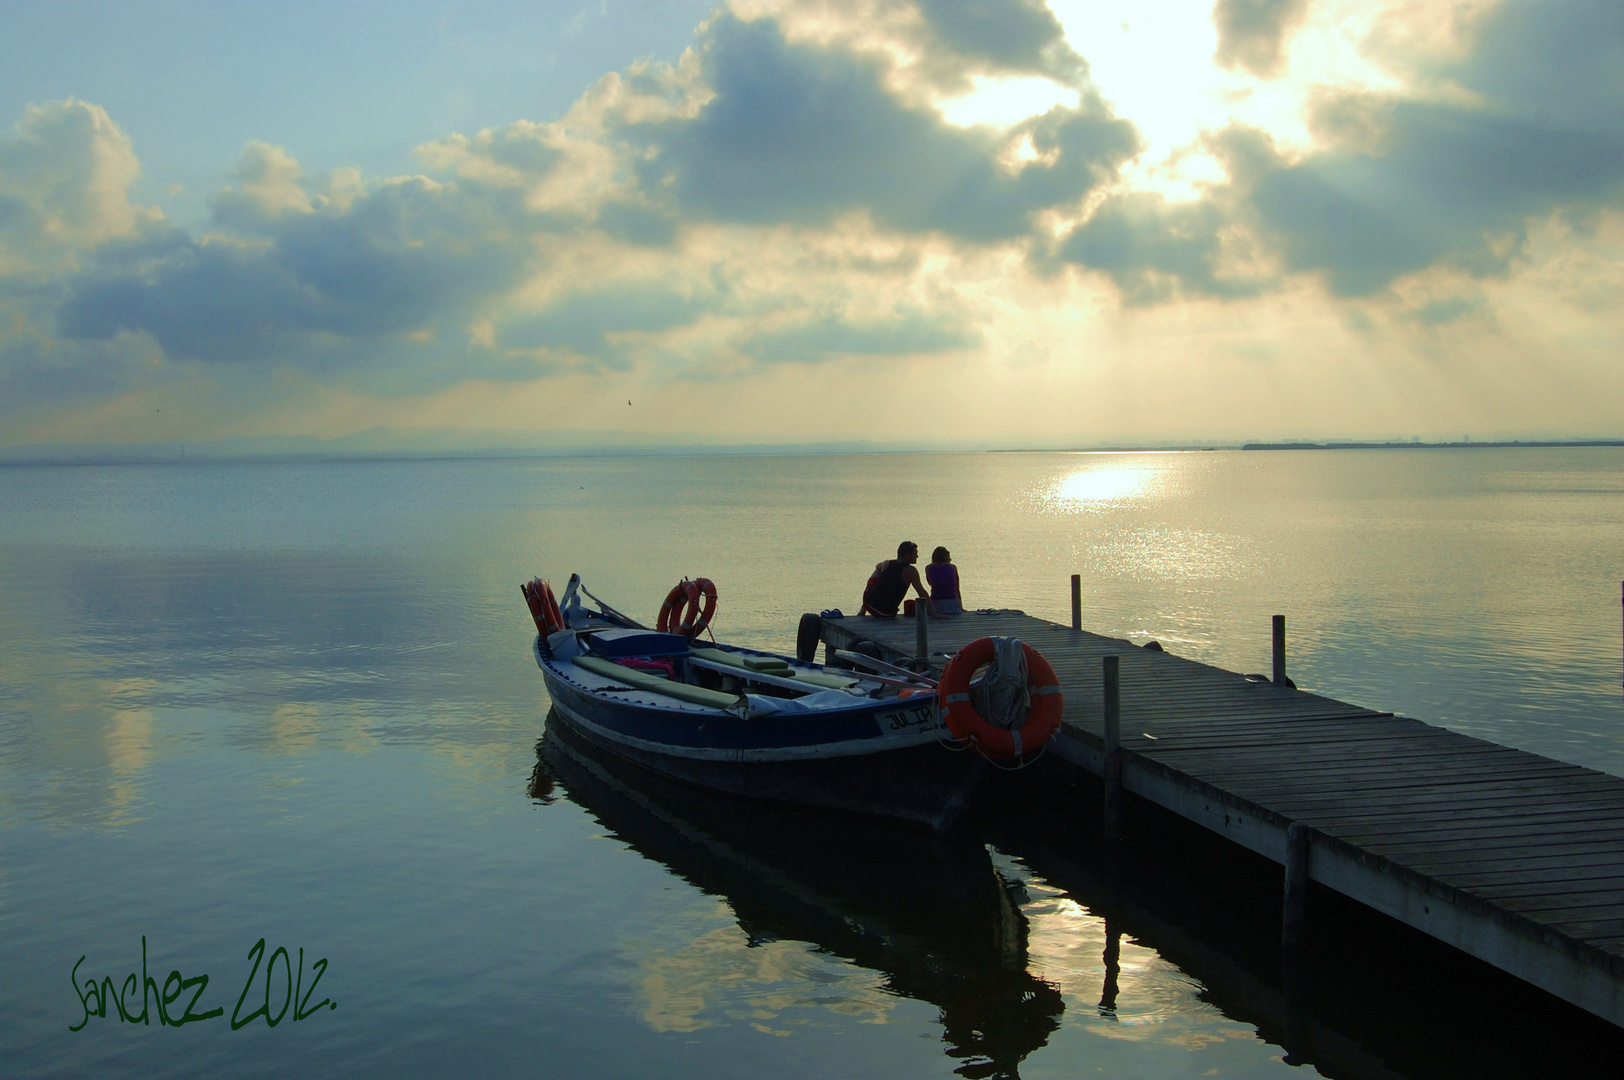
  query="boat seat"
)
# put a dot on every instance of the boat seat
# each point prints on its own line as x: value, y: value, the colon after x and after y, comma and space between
x: 741, y: 663
x: 643, y: 680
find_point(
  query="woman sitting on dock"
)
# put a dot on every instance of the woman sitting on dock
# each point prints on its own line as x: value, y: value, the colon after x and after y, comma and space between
x: 890, y: 581
x: 944, y: 583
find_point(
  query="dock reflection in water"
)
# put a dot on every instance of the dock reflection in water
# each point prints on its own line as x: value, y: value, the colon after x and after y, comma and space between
x: 930, y: 915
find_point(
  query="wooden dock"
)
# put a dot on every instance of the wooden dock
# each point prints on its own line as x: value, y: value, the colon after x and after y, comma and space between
x: 1511, y: 857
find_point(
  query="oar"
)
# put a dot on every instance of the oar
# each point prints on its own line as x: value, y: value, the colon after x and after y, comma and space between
x: 881, y: 667
x: 607, y: 610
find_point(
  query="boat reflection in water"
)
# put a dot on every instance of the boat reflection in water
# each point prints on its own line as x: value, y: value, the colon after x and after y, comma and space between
x: 928, y: 913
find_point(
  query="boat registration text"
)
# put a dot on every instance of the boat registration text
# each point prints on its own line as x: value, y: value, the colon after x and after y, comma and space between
x: 906, y: 720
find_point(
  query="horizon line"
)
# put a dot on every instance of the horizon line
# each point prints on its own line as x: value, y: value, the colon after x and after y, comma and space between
x: 177, y: 453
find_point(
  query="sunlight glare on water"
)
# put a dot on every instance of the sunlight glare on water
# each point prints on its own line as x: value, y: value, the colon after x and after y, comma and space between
x: 1108, y: 481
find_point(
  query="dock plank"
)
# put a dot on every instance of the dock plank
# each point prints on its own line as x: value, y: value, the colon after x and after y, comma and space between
x: 1608, y: 884
x: 1571, y: 859
x: 1537, y: 844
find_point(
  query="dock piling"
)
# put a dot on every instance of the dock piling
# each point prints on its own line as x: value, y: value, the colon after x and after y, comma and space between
x: 921, y: 628
x: 1076, y: 601
x: 1112, y: 771
x: 1295, y: 914
x: 1280, y: 650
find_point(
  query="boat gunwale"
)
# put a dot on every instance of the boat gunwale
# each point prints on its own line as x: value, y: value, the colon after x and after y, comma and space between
x: 555, y: 668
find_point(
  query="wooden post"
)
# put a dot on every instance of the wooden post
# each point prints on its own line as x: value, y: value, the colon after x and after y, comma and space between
x: 1076, y: 601
x: 1294, y: 914
x: 921, y: 633
x: 1279, y: 650
x: 1113, y: 752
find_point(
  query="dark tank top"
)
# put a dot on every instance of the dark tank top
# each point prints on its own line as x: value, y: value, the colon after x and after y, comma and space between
x: 890, y: 586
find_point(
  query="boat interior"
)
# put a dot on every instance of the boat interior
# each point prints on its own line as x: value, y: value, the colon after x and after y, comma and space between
x: 606, y: 643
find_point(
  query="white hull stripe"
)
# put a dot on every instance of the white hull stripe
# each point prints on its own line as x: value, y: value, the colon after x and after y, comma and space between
x: 920, y: 736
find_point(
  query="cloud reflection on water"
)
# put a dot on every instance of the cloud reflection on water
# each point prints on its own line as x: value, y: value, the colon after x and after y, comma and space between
x: 721, y: 973
x: 116, y: 663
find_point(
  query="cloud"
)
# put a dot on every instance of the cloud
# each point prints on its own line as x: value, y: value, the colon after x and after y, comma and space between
x: 932, y: 47
x: 795, y: 134
x: 518, y: 155
x: 1151, y: 247
x: 308, y: 274
x: 271, y: 183
x: 65, y: 181
x: 901, y: 333
x: 1448, y: 310
x: 31, y: 375
x: 585, y: 322
x: 1252, y: 33
x: 1455, y: 182
x: 1525, y: 126
x: 636, y: 223
x: 1002, y: 36
x: 586, y: 243
x: 787, y: 200
x: 65, y: 186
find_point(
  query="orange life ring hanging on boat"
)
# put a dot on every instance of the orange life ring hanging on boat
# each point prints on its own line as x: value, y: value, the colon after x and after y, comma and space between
x: 543, y: 606
x: 1042, y: 721
x: 533, y: 602
x: 688, y: 608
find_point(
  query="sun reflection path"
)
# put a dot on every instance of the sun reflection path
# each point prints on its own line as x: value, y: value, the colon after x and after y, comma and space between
x: 1102, y: 485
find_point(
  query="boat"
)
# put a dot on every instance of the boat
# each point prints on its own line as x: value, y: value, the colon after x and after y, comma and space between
x: 748, y: 722
x: 932, y: 916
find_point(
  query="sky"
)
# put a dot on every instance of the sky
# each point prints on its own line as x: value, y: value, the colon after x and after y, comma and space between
x: 926, y: 222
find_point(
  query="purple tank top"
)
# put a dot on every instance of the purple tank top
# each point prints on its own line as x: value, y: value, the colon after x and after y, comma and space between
x: 943, y: 579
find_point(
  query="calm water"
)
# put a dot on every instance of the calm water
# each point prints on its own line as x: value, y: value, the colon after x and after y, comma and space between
x: 296, y: 702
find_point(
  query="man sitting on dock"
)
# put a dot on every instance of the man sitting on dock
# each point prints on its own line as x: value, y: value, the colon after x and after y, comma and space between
x: 890, y: 582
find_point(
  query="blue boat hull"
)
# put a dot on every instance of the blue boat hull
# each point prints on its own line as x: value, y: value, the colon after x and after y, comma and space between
x: 884, y: 758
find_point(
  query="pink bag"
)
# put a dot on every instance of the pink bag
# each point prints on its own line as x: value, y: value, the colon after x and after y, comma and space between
x: 663, y: 668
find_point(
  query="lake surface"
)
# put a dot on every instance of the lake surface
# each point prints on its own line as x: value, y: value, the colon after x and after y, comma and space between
x: 296, y: 702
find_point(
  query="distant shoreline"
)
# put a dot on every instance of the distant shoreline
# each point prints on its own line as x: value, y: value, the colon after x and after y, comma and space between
x: 1464, y: 445
x: 1486, y: 444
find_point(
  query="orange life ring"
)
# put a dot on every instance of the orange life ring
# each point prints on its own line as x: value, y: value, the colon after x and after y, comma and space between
x: 554, y: 615
x: 1042, y: 721
x: 543, y: 606
x: 688, y: 607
